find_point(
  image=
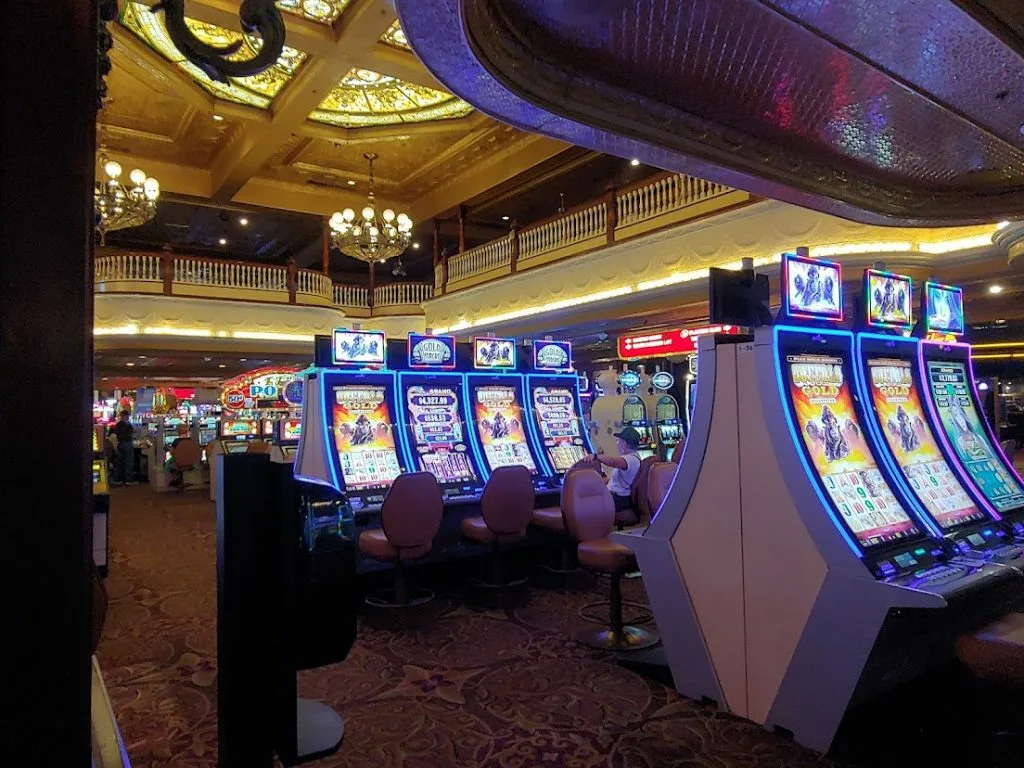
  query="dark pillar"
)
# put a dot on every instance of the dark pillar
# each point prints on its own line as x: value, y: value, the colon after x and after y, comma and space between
x: 292, y: 280
x: 610, y: 194
x: 373, y: 284
x: 325, y: 252
x: 514, y: 232
x: 49, y: 87
x: 462, y: 229
x: 167, y: 269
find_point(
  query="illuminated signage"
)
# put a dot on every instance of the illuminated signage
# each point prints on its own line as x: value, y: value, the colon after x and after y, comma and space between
x: 358, y: 349
x: 681, y: 341
x: 491, y: 353
x: 662, y: 380
x: 812, y: 288
x: 943, y: 309
x: 263, y: 389
x: 887, y: 299
x: 552, y: 355
x: 431, y: 351
x: 629, y: 380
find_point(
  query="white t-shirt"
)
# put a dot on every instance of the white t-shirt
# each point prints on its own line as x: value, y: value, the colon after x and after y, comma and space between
x: 621, y: 481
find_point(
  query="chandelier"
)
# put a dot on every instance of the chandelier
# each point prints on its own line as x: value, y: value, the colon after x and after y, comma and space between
x: 374, y: 237
x: 119, y: 205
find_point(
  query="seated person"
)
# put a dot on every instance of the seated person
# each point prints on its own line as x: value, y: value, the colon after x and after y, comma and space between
x: 624, y: 467
x: 171, y: 466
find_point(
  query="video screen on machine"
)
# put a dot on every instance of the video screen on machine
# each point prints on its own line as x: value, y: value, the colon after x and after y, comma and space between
x: 559, y: 426
x: 888, y: 299
x: 237, y: 447
x: 898, y: 404
x: 944, y: 308
x: 97, y: 472
x: 291, y: 429
x: 206, y: 434
x: 239, y: 429
x: 268, y: 428
x: 961, y: 422
x: 438, y: 434
x: 813, y: 288
x: 499, y: 423
x: 364, y: 436
x: 634, y: 414
x: 820, y: 394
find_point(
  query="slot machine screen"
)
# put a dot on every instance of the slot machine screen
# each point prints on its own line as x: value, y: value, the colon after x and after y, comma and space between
x: 268, y: 428
x: 888, y: 299
x: 813, y: 288
x: 499, y: 423
x: 834, y: 440
x: 634, y: 414
x: 902, y: 420
x: 559, y: 425
x: 95, y: 442
x: 944, y: 308
x: 236, y: 447
x: 239, y: 429
x: 206, y: 434
x: 438, y: 432
x: 291, y: 429
x: 950, y: 383
x: 364, y: 436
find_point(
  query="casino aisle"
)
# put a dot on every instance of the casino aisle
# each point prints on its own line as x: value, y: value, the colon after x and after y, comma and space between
x: 459, y: 687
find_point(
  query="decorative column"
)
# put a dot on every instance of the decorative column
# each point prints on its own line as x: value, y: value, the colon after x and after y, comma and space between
x: 462, y: 228
x: 1011, y: 240
x: 293, y: 279
x: 373, y: 283
x: 167, y: 268
x: 439, y: 280
x: 514, y: 234
x: 611, y: 204
x: 325, y: 251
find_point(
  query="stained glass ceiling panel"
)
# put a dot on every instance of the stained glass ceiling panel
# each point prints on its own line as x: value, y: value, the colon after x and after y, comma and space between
x: 320, y: 11
x: 365, y: 98
x: 255, y: 91
x: 395, y: 37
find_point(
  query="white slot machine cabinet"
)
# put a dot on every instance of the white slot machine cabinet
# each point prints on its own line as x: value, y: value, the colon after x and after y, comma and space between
x: 285, y: 441
x: 235, y: 434
x: 668, y: 424
x: 434, y: 416
x: 620, y: 406
x: 831, y: 583
x: 351, y: 435
x: 557, y: 413
x: 502, y: 434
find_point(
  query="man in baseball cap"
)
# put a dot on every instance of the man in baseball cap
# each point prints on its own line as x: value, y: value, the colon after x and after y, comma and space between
x: 624, y: 467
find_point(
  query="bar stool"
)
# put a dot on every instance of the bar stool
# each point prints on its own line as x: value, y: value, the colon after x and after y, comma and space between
x: 507, y: 508
x: 589, y: 518
x: 641, y: 502
x: 658, y: 483
x: 552, y: 519
x: 410, y: 518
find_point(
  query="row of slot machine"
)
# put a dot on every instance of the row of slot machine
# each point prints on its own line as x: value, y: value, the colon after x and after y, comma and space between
x: 863, y: 457
x: 375, y: 408
x: 633, y: 398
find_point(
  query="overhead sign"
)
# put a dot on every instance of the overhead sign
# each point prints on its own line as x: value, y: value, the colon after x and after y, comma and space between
x: 265, y: 389
x: 358, y: 349
x: 662, y: 380
x: 431, y: 351
x: 552, y: 355
x: 681, y: 341
x: 494, y: 353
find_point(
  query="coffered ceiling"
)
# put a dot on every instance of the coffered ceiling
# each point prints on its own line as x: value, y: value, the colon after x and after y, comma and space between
x: 293, y: 137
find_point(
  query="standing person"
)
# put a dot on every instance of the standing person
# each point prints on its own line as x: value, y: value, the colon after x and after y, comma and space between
x: 124, y: 432
x: 624, y: 467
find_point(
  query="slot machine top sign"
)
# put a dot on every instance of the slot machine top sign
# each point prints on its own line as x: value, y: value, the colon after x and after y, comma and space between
x: 888, y: 299
x: 263, y: 389
x: 358, y: 349
x: 437, y: 352
x: 662, y: 380
x: 494, y: 354
x: 943, y: 309
x: 812, y: 288
x: 554, y: 356
x: 679, y: 341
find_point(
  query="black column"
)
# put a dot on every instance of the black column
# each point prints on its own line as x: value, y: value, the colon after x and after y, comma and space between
x: 49, y: 103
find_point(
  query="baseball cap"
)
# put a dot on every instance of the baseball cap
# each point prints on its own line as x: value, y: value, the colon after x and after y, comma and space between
x: 629, y: 436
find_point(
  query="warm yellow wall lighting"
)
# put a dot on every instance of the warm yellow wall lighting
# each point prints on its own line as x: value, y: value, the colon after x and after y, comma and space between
x: 848, y: 249
x: 1007, y: 356
x: 268, y: 336
x: 167, y: 330
x: 998, y: 345
x: 961, y: 244
x: 117, y: 330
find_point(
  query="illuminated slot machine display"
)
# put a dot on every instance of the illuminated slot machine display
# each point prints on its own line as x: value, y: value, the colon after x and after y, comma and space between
x: 964, y: 434
x: 554, y: 396
x: 433, y: 405
x: 667, y: 424
x: 285, y: 440
x: 100, y: 514
x: 235, y: 434
x: 634, y: 414
x: 267, y: 429
x: 494, y: 401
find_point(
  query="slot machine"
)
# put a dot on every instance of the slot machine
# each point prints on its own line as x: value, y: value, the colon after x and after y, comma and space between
x: 620, y: 407
x: 668, y: 426
x: 555, y: 407
x: 433, y: 407
x: 495, y: 397
x: 848, y: 573
x: 353, y: 441
x: 285, y: 442
x: 234, y: 436
x: 100, y: 514
x: 634, y: 414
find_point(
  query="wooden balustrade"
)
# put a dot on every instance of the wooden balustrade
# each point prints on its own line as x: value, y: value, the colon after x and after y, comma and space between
x: 483, y: 258
x: 401, y: 294
x: 346, y: 295
x: 128, y: 266
x: 314, y: 284
x: 219, y: 273
x: 571, y: 227
x: 669, y: 193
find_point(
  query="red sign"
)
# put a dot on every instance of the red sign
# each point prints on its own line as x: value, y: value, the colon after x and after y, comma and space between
x: 680, y: 341
x: 234, y: 399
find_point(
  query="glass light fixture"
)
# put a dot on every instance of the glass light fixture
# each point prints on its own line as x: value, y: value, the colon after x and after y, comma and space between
x: 119, y: 204
x: 375, y: 237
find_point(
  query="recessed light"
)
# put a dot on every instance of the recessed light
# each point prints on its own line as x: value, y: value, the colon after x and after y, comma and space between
x: 104, y: 378
x: 243, y: 359
x: 415, y: 245
x: 130, y: 365
x: 505, y: 218
x: 218, y: 118
x: 995, y: 289
x: 634, y: 162
x: 223, y: 241
x: 1000, y: 322
x: 222, y: 366
x: 350, y: 183
x: 142, y: 357
x: 243, y: 221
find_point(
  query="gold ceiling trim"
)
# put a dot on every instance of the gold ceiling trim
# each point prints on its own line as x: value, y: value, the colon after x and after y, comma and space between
x: 320, y: 11
x: 256, y: 91
x: 395, y: 37
x: 367, y: 98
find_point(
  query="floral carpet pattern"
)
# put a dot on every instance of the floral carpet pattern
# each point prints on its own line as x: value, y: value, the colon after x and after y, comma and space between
x: 451, y: 686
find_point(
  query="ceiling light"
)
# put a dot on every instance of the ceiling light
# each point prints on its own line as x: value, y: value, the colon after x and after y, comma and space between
x: 130, y: 365
x: 1000, y: 322
x: 504, y: 218
x: 1002, y: 225
x: 634, y: 162
x: 218, y: 118
x: 222, y: 366
x: 995, y: 289
x: 415, y: 245
x: 377, y: 235
x: 142, y: 357
x: 243, y: 359
x: 120, y: 204
x: 223, y: 241
x: 243, y: 221
x: 350, y: 183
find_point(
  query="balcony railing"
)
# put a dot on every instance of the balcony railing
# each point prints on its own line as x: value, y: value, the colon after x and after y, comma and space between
x: 178, y: 275
x: 591, y: 225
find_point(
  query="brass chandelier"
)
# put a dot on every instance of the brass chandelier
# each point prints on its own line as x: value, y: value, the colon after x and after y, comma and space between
x: 119, y: 204
x: 373, y: 236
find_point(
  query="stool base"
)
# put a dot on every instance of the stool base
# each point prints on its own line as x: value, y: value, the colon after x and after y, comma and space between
x: 629, y: 638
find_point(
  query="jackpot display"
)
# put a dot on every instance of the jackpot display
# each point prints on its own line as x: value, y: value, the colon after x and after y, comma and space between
x: 359, y: 348
x: 813, y: 288
x: 499, y: 423
x: 913, y: 445
x: 559, y: 425
x: 950, y: 382
x: 239, y: 429
x: 290, y: 430
x: 820, y: 396
x: 888, y: 299
x: 437, y: 433
x: 364, y: 436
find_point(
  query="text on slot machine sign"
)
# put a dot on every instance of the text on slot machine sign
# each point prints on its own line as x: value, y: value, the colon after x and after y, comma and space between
x: 681, y: 341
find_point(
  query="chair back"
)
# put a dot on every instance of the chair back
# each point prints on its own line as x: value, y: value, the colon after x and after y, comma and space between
x: 638, y: 491
x: 411, y: 513
x: 507, y: 500
x: 658, y: 482
x: 587, y: 506
x: 677, y: 452
x: 186, y: 453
